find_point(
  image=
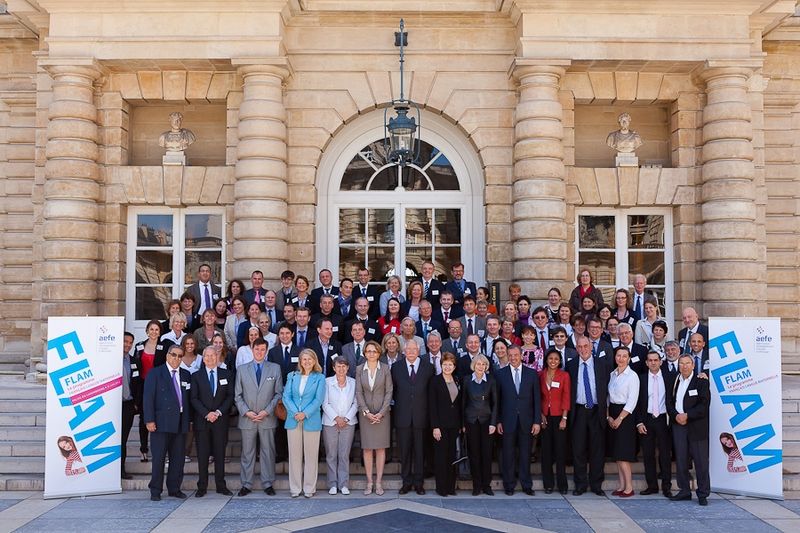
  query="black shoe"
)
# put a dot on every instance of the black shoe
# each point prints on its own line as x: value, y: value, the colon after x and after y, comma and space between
x: 155, y: 497
x: 476, y: 492
x: 269, y: 491
x: 421, y: 491
x: 509, y: 492
x: 488, y: 491
x: 599, y: 492
x: 702, y: 500
x: 244, y: 491
x: 452, y: 493
x: 180, y: 495
x: 405, y: 489
x: 441, y: 493
x: 681, y: 497
x: 563, y: 492
x: 200, y: 493
x: 648, y: 491
x: 224, y: 491
x: 548, y: 491
x: 667, y: 493
x: 126, y: 475
x: 531, y: 492
x: 578, y: 492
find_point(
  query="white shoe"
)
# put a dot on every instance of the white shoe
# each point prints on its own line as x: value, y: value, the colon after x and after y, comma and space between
x: 345, y: 491
x: 332, y: 491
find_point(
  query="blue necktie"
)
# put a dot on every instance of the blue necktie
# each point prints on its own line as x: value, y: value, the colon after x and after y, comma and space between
x: 301, y: 339
x: 697, y: 365
x: 258, y: 374
x: 208, y: 298
x: 587, y: 387
x: 638, y: 310
x: 213, y: 382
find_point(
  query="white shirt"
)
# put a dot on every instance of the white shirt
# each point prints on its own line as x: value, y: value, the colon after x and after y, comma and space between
x: 170, y: 335
x: 211, y: 294
x: 243, y: 355
x: 476, y: 380
x: 195, y: 366
x: 370, y: 376
x: 662, y: 394
x: 339, y: 401
x: 581, y: 392
x: 271, y: 339
x: 683, y: 386
x: 436, y: 361
x: 624, y: 389
x: 302, y: 386
x: 415, y: 364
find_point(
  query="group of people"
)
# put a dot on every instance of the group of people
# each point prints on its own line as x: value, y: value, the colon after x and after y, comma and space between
x: 437, y: 373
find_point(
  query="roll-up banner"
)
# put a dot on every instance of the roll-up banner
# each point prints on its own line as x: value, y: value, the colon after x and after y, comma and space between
x: 746, y: 430
x: 84, y: 406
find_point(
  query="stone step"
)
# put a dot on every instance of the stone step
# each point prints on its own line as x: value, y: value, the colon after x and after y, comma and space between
x: 30, y: 433
x: 17, y: 406
x: 22, y: 419
x: 13, y: 388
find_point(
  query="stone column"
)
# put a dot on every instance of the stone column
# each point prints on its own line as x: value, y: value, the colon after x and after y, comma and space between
x: 71, y: 214
x: 261, y: 231
x: 730, y: 255
x: 539, y: 229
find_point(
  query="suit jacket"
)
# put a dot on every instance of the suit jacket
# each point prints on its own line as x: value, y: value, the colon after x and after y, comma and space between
x: 281, y: 299
x: 518, y: 411
x: 373, y: 296
x: 454, y: 314
x: 602, y: 375
x: 463, y: 364
x: 702, y: 329
x: 161, y: 402
x: 575, y: 298
x: 310, y: 402
x: 458, y: 295
x: 278, y: 319
x: 160, y: 355
x: 433, y: 325
x: 349, y: 353
x: 241, y: 333
x: 334, y: 351
x: 638, y: 360
x: 371, y: 327
x: 411, y: 399
x: 203, y: 402
x: 696, y: 402
x: 459, y: 348
x: 671, y: 374
x: 194, y: 290
x: 435, y: 289
x: 316, y: 294
x: 569, y: 353
x: 136, y: 382
x: 379, y: 399
x: 444, y: 413
x: 257, y: 397
x: 336, y: 321
x: 276, y: 355
x: 250, y: 295
x: 604, y: 349
x: 555, y: 400
x: 478, y: 325
x: 643, y: 403
x: 346, y: 314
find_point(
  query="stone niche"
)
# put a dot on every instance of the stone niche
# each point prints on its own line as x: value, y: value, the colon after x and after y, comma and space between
x: 593, y: 123
x: 207, y: 122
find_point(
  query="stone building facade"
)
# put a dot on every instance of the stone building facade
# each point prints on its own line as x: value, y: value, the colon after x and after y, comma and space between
x: 285, y: 96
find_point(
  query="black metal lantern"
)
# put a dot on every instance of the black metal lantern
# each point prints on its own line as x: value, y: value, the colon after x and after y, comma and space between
x: 401, y: 132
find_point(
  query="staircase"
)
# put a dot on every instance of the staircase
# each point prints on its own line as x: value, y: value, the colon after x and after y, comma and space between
x: 22, y: 434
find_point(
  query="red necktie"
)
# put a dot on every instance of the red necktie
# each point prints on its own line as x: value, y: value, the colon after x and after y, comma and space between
x: 543, y: 346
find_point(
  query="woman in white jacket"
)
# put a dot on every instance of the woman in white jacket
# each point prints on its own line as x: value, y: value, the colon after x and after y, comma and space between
x: 339, y: 410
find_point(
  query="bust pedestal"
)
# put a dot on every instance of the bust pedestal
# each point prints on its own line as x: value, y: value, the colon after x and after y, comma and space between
x: 626, y: 159
x: 174, y: 158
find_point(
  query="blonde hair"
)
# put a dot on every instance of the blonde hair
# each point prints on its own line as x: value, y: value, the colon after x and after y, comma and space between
x: 311, y: 353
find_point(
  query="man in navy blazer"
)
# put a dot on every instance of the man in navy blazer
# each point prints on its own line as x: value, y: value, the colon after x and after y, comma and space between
x: 460, y: 287
x: 432, y: 288
x: 325, y: 346
x: 167, y: 407
x: 519, y: 419
x: 327, y: 288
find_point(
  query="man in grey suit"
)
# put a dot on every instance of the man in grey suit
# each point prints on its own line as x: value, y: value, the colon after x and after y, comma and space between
x: 204, y: 290
x: 471, y: 322
x: 259, y: 386
x: 354, y: 351
x: 456, y: 342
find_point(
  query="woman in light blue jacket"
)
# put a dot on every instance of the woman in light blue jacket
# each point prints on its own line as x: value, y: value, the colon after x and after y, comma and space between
x: 303, y: 396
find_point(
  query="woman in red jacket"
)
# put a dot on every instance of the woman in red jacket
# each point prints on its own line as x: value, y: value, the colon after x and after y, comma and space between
x: 555, y: 387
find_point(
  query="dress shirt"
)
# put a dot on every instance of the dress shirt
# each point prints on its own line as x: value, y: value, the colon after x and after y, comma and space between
x: 126, y: 378
x: 215, y: 370
x: 623, y: 389
x: 415, y: 364
x: 436, y: 361
x: 446, y: 315
x: 302, y: 386
x: 195, y: 366
x: 683, y: 386
x: 479, y: 381
x: 370, y: 376
x: 203, y: 305
x: 393, y: 361
x: 413, y: 312
x: 697, y: 358
x: 581, y: 395
x: 170, y: 336
x: 661, y: 399
x: 543, y: 333
x: 672, y: 365
x: 339, y: 401
x: 305, y: 338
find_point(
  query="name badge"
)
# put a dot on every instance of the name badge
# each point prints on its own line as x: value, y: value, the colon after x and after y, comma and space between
x: 601, y: 354
x: 334, y: 355
x: 393, y: 329
x: 270, y: 378
x: 293, y: 359
x: 370, y: 298
x: 467, y: 291
x: 295, y: 300
x: 371, y: 331
x: 140, y: 348
x: 159, y: 347
x: 223, y: 382
x: 635, y: 359
x: 335, y: 328
x: 135, y: 374
x: 435, y: 292
x: 481, y: 332
x: 215, y: 296
x: 133, y: 366
x: 683, y: 341
x: 693, y: 392
x: 555, y: 385
x: 706, y: 365
x: 186, y: 385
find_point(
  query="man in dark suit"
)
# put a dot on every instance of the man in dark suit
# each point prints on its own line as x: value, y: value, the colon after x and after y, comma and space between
x: 212, y: 397
x: 600, y: 348
x: 431, y: 287
x: 204, y: 290
x: 344, y: 304
x: 519, y: 420
x: 325, y: 346
x: 698, y: 352
x: 271, y: 308
x: 454, y: 341
x: 303, y: 333
x: 353, y: 351
x: 371, y: 292
x: 688, y: 406
x: 257, y: 292
x: 447, y: 311
x: 637, y: 351
x: 426, y: 322
x: 326, y: 306
x: 167, y: 409
x: 327, y: 288
x: 410, y: 415
x: 670, y: 364
x: 287, y: 293
x: 373, y: 332
x: 651, y: 423
x: 464, y: 364
x: 559, y: 336
x: 460, y: 287
x: 285, y: 354
x: 589, y: 379
x: 691, y: 322
x: 470, y: 321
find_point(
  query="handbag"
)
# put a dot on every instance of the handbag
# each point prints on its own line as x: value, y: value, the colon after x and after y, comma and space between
x: 280, y: 410
x: 461, y: 449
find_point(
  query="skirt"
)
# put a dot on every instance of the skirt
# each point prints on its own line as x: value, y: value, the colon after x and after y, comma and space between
x: 623, y: 439
x: 375, y: 436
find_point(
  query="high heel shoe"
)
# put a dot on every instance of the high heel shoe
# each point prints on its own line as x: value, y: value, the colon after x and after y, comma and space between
x: 368, y: 490
x: 144, y: 457
x: 379, y: 489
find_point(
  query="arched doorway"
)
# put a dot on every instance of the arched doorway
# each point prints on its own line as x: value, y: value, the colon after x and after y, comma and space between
x: 391, y: 219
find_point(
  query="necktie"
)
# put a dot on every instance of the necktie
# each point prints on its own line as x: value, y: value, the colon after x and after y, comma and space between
x: 461, y: 286
x: 177, y: 388
x: 446, y: 316
x: 638, y: 309
x: 427, y: 286
x: 686, y: 348
x: 425, y: 330
x: 207, y: 296
x: 258, y: 373
x: 542, y: 342
x: 516, y: 379
x: 470, y: 331
x: 672, y: 367
x: 655, y: 408
x: 594, y: 348
x: 213, y: 382
x: 698, y: 370
x: 301, y: 339
x: 272, y: 317
x: 413, y: 374
x: 286, y: 357
x: 364, y: 292
x: 587, y: 387
x: 436, y: 364
x: 258, y: 297
x: 327, y: 292
x: 358, y: 352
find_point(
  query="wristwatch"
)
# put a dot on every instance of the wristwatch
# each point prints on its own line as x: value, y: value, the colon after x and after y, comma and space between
x: 366, y: 412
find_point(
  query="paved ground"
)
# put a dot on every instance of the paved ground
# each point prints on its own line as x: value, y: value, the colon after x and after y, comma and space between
x: 133, y: 511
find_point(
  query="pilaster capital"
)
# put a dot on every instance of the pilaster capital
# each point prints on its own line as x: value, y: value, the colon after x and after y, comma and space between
x: 274, y: 66
x: 730, y: 69
x: 554, y: 68
x: 82, y: 67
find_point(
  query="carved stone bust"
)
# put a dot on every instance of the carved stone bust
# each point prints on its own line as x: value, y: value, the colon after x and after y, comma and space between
x: 176, y: 140
x: 624, y: 140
